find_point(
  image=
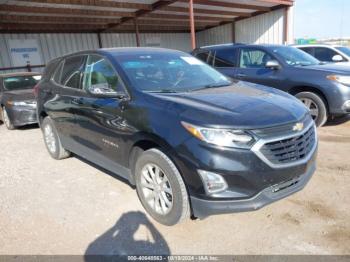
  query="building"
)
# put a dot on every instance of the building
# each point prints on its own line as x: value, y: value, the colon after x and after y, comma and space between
x: 36, y: 31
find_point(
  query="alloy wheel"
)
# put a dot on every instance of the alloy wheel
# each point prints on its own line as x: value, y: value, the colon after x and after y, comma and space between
x: 312, y: 106
x: 50, y: 138
x: 156, y: 189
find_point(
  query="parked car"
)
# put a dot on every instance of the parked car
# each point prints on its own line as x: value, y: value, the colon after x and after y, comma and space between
x: 193, y: 142
x: 328, y: 53
x: 323, y: 88
x: 18, y: 104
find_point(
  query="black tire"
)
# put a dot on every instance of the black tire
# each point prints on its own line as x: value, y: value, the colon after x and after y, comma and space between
x: 180, y: 209
x: 53, y: 144
x: 318, y: 105
x: 6, y: 119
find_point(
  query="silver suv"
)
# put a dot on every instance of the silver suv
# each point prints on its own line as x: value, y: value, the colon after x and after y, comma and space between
x: 327, y: 53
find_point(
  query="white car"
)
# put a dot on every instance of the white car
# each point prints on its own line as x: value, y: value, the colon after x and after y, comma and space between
x: 327, y: 53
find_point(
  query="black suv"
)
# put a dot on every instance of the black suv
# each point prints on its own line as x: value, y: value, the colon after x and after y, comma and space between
x: 193, y: 142
x: 323, y: 88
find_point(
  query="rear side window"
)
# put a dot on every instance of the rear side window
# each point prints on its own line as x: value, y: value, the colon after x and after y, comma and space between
x: 225, y: 58
x: 309, y: 50
x: 58, y: 73
x: 203, y: 56
x: 72, y: 71
x: 325, y: 54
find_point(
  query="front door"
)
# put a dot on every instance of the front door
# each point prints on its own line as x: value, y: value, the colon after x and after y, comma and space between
x: 100, y: 120
x: 252, y: 68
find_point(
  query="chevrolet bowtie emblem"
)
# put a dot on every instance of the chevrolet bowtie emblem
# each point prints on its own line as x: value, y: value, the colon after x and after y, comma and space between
x: 298, y: 127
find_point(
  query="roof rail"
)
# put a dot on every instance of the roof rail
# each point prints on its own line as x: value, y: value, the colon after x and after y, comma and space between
x: 227, y: 44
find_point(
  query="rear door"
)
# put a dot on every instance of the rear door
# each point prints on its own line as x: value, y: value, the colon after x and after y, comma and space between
x: 68, y: 79
x: 252, y: 68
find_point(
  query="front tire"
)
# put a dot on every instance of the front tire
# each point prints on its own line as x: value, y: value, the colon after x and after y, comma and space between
x: 316, y: 105
x: 52, y: 141
x: 6, y: 119
x: 161, y: 188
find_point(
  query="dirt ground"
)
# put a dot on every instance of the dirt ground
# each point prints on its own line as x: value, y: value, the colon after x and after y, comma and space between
x: 71, y: 207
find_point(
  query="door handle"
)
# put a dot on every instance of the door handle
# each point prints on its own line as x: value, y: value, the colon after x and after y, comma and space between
x: 241, y: 75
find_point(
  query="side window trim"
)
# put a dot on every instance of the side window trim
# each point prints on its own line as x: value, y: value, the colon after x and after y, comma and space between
x: 122, y: 84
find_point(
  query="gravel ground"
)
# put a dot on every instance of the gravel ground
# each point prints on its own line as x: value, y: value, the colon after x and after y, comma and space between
x: 71, y: 207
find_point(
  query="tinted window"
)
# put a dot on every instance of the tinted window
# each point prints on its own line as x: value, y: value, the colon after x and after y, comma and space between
x: 308, y: 50
x: 324, y: 54
x: 203, y: 56
x: 99, y: 73
x: 225, y: 58
x: 72, y: 71
x: 58, y: 72
x: 253, y: 58
x: 21, y: 82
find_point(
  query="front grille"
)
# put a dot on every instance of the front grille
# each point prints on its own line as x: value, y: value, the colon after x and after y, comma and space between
x: 290, y: 150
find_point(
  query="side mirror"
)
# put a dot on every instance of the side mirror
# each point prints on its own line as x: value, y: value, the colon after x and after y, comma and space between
x: 337, y: 58
x: 272, y: 64
x: 103, y: 90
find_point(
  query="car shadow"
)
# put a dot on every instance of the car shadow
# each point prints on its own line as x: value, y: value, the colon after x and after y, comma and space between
x: 120, y: 240
x: 338, y: 120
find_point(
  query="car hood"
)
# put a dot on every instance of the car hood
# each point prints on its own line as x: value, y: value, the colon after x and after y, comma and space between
x: 239, y: 105
x: 334, y: 68
x: 20, y: 95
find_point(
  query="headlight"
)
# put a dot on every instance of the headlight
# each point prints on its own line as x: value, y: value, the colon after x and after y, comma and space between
x: 345, y: 80
x: 220, y: 137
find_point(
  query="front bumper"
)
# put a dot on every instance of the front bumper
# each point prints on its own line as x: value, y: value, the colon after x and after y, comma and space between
x: 22, y: 115
x: 202, y: 208
x: 338, y: 98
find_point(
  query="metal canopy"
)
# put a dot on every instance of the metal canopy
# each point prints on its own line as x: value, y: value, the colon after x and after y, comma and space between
x: 115, y: 16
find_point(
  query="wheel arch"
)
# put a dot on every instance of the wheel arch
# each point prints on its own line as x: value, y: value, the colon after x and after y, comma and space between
x: 143, y: 142
x: 41, y: 117
x: 297, y: 89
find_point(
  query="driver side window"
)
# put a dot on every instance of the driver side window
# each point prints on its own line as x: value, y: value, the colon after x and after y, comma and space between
x: 100, y: 74
x: 253, y: 58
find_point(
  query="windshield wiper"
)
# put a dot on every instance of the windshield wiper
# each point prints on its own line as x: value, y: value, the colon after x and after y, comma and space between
x: 212, y: 86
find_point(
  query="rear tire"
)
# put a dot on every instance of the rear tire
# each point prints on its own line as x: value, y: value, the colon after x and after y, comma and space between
x: 52, y: 141
x: 316, y: 105
x: 161, y: 188
x: 6, y: 119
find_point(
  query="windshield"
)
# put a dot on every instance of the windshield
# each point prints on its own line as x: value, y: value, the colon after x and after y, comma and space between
x: 295, y: 57
x: 169, y: 72
x: 344, y: 49
x: 21, y: 82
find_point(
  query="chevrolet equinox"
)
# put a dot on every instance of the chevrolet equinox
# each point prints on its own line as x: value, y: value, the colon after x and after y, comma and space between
x: 191, y: 141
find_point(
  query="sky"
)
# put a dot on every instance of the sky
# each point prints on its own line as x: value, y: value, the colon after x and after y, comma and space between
x: 322, y: 18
